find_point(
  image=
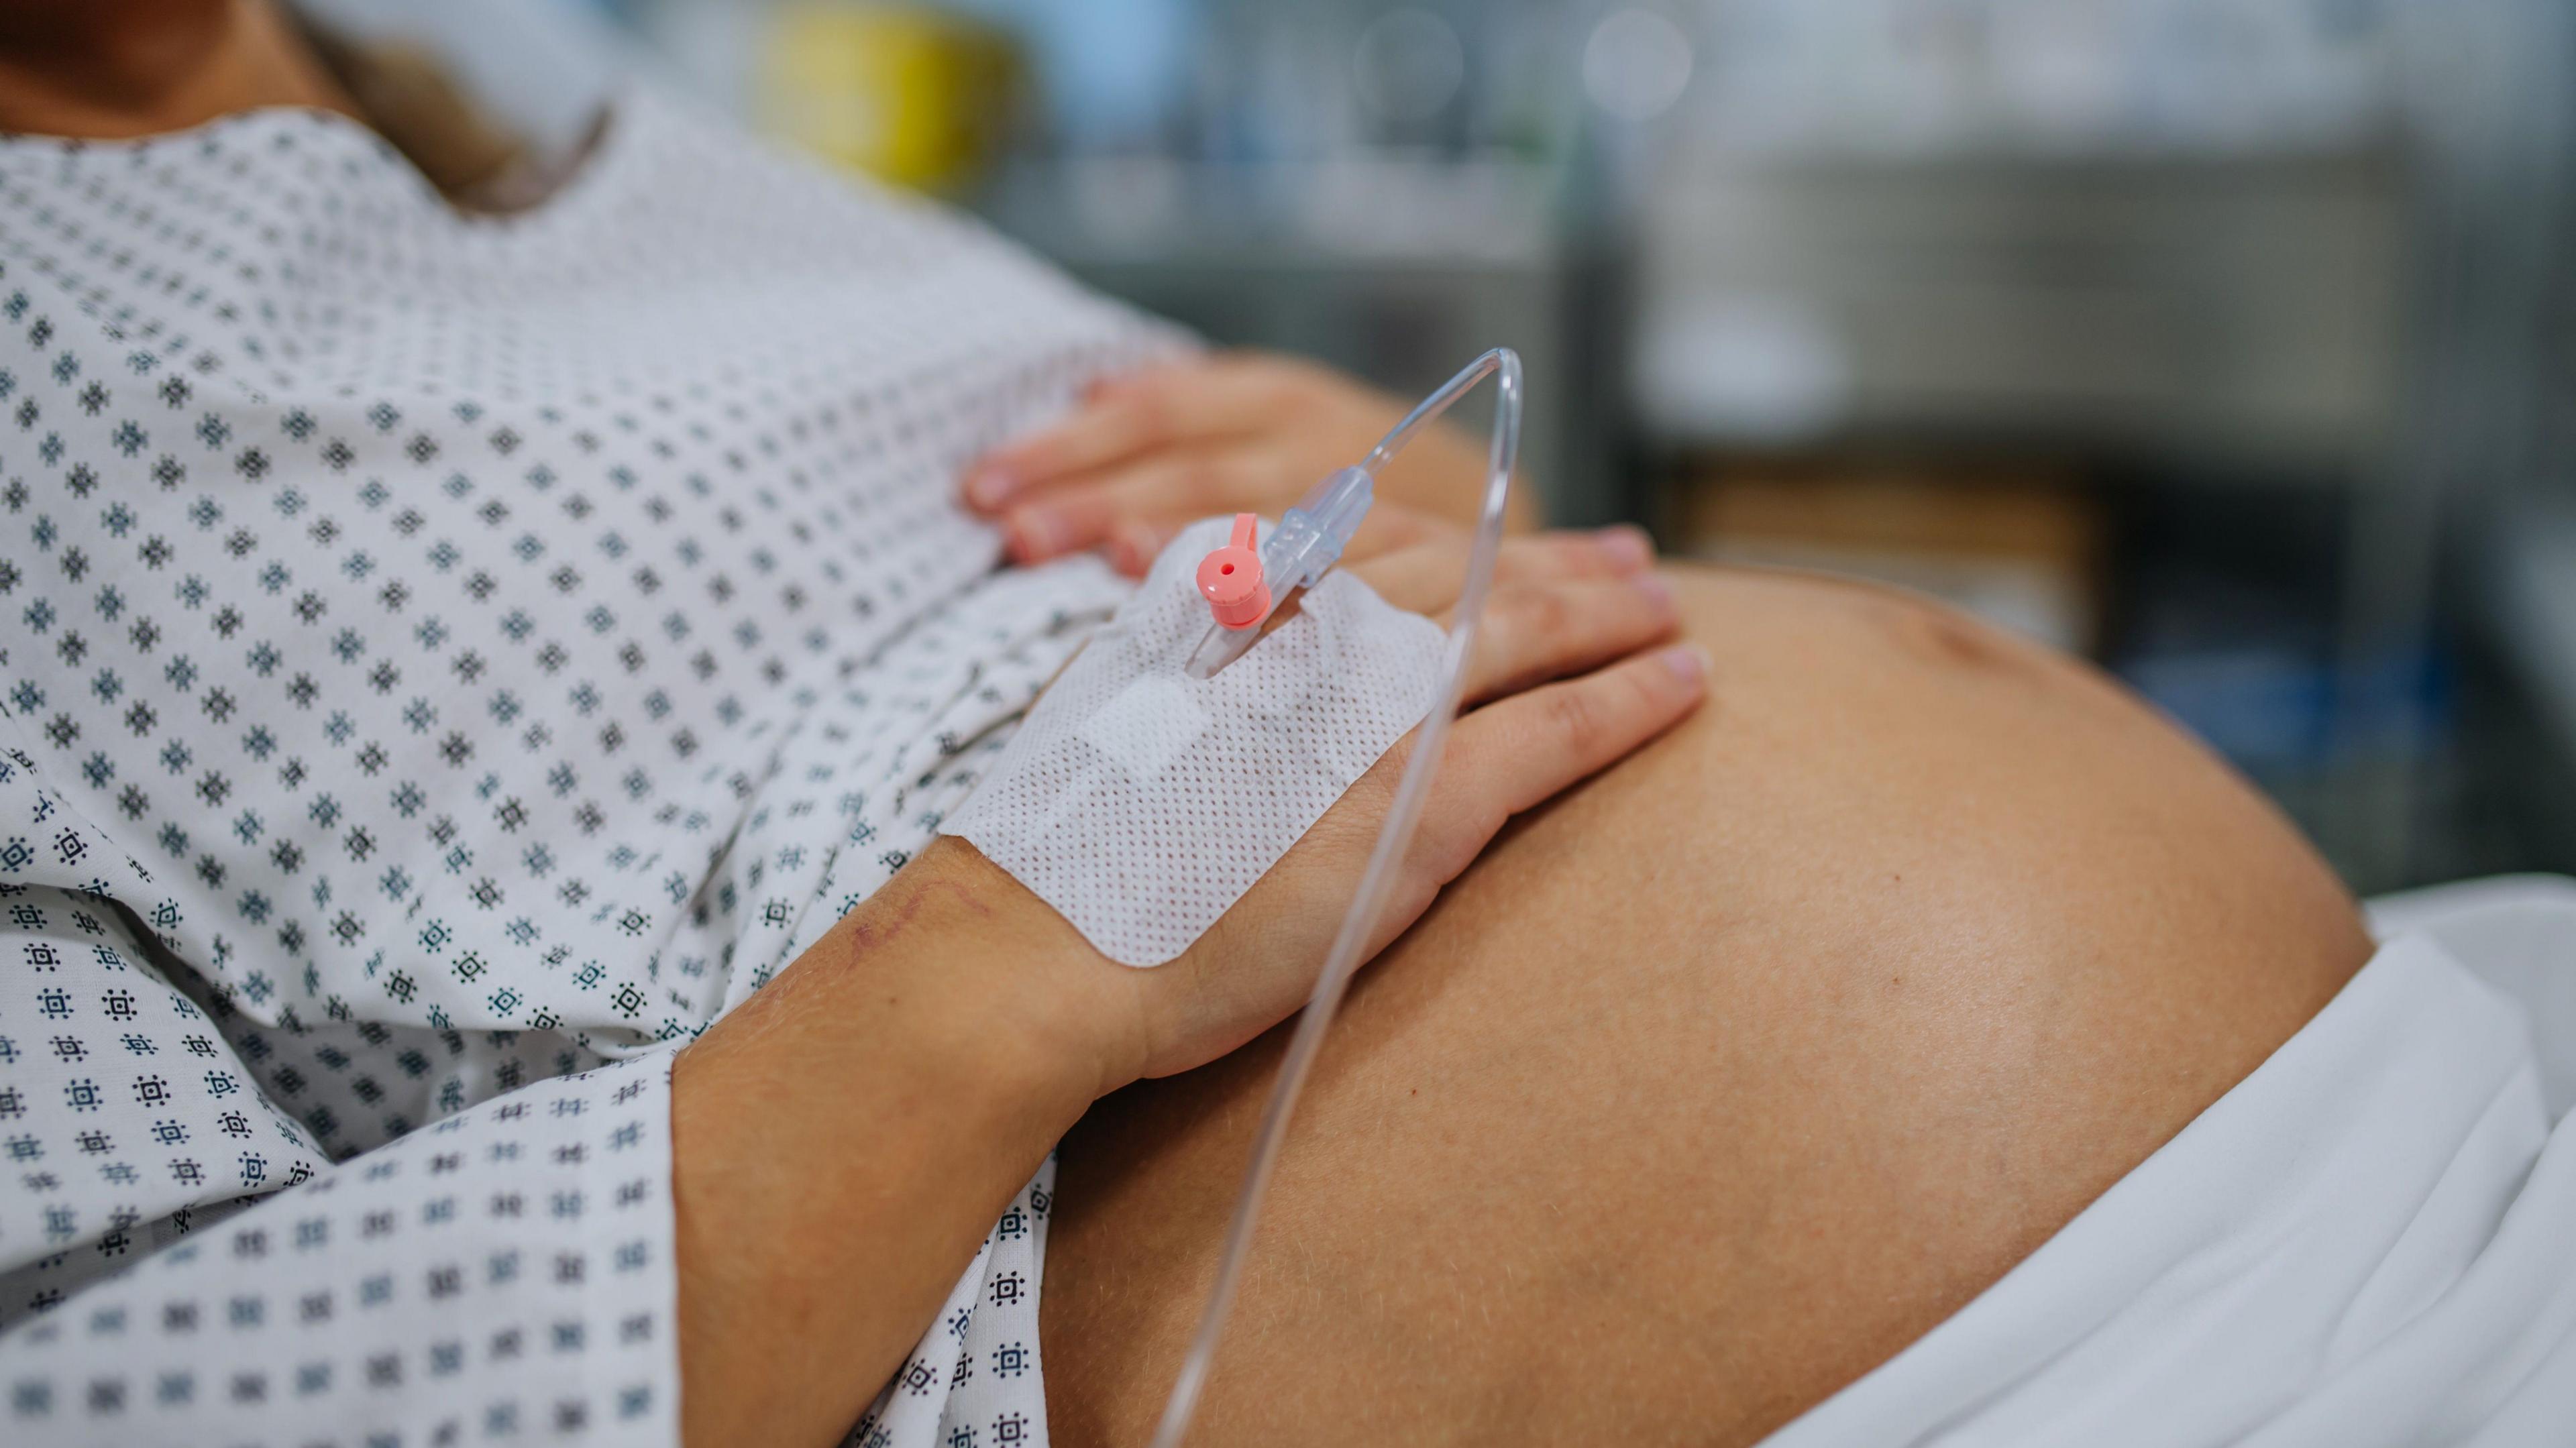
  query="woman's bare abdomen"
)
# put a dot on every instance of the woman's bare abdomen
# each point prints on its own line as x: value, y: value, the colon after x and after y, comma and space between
x: 1722, y: 1078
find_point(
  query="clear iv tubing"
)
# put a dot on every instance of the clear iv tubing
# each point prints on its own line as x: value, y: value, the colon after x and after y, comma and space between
x: 1350, y: 945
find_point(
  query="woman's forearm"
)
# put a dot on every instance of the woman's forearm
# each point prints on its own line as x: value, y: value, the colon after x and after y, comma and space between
x: 843, y: 1142
x: 845, y: 1139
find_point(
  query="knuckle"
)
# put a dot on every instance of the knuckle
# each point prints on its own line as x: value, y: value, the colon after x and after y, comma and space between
x: 1578, y: 718
x: 1543, y: 615
x: 1450, y: 836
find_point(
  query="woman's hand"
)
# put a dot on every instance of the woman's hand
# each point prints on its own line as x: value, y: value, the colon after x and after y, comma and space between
x: 844, y: 1140
x: 1564, y: 681
x: 1234, y: 432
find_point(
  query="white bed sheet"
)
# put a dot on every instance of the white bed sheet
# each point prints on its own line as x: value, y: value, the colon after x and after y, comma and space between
x: 2370, y: 1240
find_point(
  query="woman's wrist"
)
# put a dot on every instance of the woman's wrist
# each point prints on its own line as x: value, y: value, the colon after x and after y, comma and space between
x: 957, y: 965
x: 844, y: 1140
x: 1067, y: 1018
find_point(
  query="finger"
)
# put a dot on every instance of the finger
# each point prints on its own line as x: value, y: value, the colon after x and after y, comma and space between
x: 1196, y: 402
x: 1534, y: 632
x: 1426, y: 577
x: 1069, y: 517
x: 1613, y: 552
x: 1624, y: 547
x: 1629, y: 548
x: 1389, y: 527
x: 1514, y: 755
x: 1420, y: 577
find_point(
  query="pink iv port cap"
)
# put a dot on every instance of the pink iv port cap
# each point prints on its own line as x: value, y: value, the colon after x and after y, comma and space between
x: 1230, y: 578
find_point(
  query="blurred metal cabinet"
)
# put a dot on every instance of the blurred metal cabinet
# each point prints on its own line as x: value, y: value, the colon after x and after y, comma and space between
x: 2235, y: 310
x: 2241, y: 318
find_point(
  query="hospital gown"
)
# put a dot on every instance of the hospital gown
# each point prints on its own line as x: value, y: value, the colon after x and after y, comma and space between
x: 448, y: 662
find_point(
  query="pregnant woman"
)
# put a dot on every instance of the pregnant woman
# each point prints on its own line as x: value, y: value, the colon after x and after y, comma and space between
x: 478, y: 961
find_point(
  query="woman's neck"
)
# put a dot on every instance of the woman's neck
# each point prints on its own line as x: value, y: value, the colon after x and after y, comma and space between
x: 111, y: 69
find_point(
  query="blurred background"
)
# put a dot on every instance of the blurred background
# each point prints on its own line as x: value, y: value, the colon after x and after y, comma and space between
x: 2225, y: 341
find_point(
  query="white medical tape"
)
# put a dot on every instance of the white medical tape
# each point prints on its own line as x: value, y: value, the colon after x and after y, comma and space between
x: 1142, y: 803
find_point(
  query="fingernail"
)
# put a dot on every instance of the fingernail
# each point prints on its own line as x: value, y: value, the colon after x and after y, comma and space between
x: 1036, y: 533
x: 1689, y: 662
x: 1654, y: 586
x: 1627, y: 545
x: 988, y: 487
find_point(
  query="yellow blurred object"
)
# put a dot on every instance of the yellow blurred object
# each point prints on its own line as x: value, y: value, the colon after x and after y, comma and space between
x: 913, y: 96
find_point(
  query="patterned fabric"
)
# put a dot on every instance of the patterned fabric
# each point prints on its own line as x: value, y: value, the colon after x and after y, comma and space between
x: 444, y: 664
x: 973, y: 1380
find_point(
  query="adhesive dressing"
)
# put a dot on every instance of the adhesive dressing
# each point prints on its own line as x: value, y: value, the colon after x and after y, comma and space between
x: 1142, y: 803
